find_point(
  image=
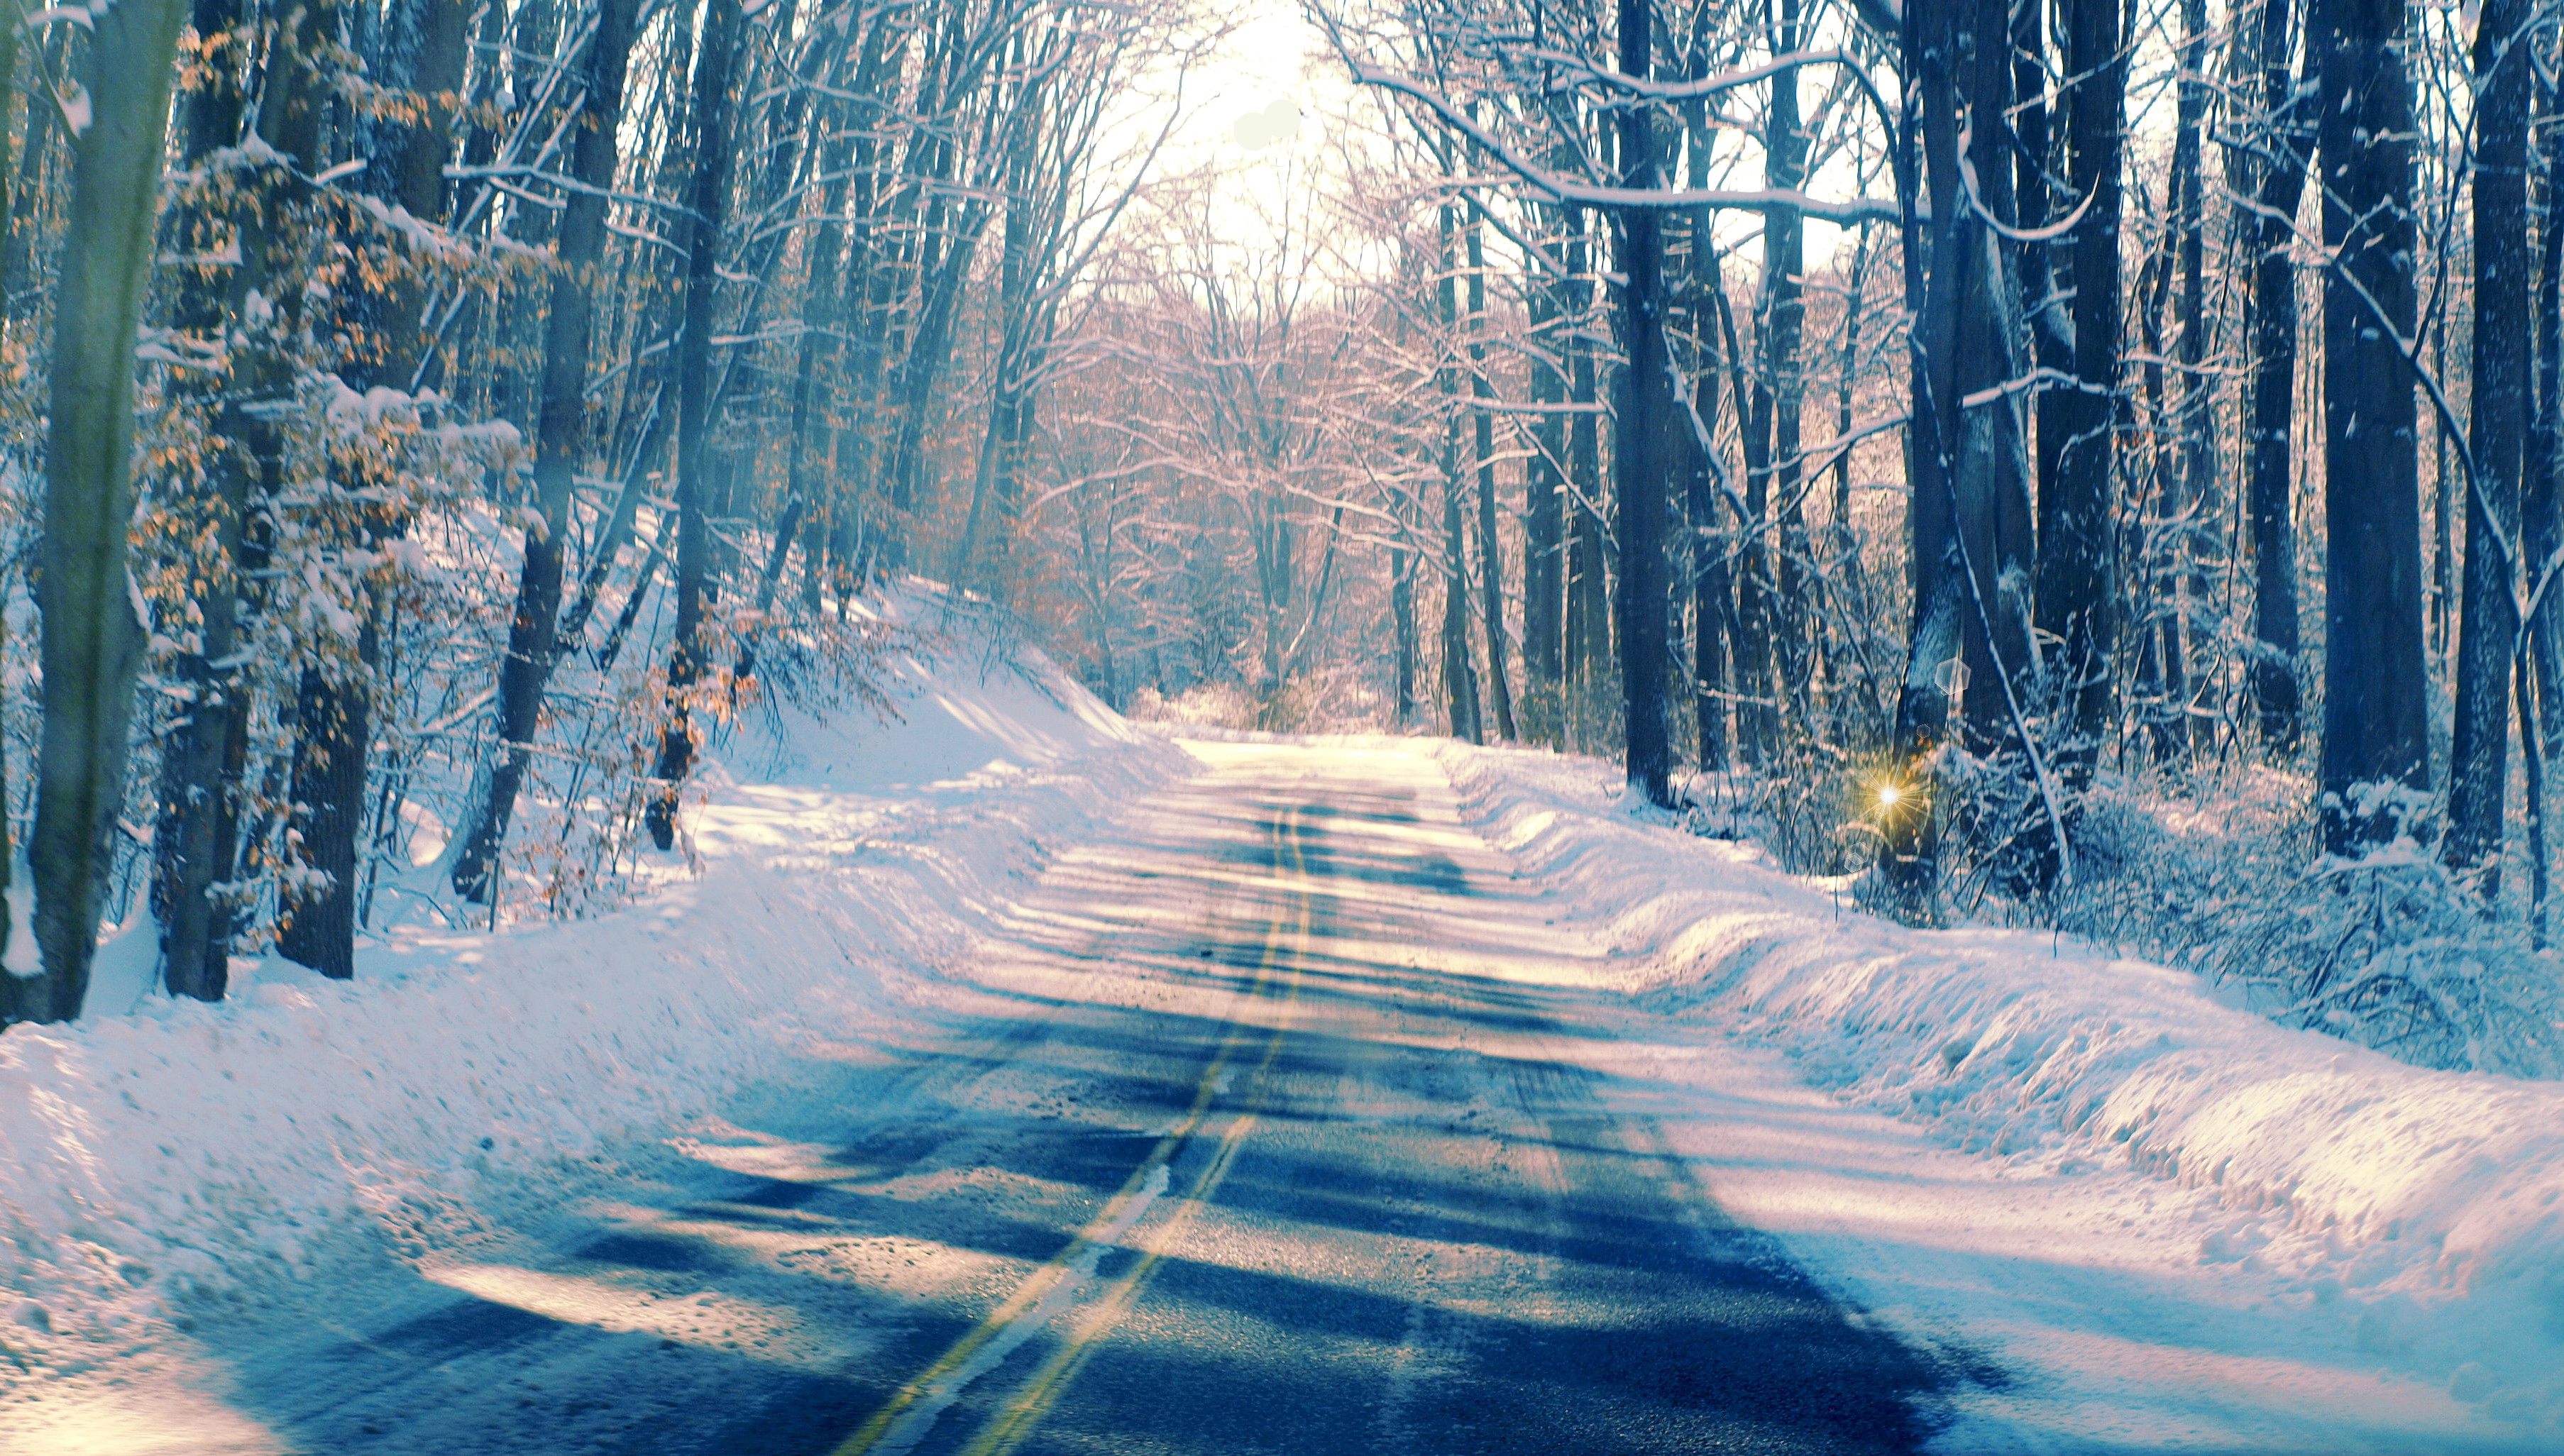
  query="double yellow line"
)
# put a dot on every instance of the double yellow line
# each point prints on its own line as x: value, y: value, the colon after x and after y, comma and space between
x: 1291, y: 923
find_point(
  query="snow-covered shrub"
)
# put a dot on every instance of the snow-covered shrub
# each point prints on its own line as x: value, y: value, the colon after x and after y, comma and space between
x: 2223, y: 873
x: 1330, y: 697
x: 2216, y: 870
x: 1815, y: 809
x: 1207, y: 705
x: 2389, y: 951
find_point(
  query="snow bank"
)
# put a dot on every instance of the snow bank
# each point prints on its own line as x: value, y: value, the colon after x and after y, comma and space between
x: 2426, y: 1209
x: 195, y: 1151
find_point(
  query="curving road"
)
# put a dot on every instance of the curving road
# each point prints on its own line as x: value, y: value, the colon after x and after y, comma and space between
x: 1263, y: 1129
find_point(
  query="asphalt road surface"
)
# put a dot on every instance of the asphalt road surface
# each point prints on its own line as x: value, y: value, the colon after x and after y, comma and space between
x: 1261, y: 1131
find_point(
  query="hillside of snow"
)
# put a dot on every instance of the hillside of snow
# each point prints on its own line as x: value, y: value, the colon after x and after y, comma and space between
x: 183, y: 1152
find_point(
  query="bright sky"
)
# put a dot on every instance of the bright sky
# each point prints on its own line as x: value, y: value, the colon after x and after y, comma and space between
x: 1258, y: 109
x: 1255, y: 115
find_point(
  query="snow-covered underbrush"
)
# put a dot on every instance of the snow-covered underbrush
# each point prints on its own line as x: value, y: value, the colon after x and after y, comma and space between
x: 2391, y: 951
x: 2425, y: 1205
x: 185, y: 1153
x: 1330, y: 699
x: 2220, y: 874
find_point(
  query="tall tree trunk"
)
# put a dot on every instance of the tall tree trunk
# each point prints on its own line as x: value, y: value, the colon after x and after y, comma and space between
x: 2193, y: 428
x: 1909, y: 857
x: 2479, y: 746
x: 333, y: 719
x: 1542, y: 522
x: 2273, y: 389
x: 2076, y: 592
x: 2541, y: 528
x: 1783, y: 320
x: 1639, y: 476
x: 2045, y: 295
x: 1459, y: 676
x: 246, y: 469
x: 820, y: 321
x: 2439, y: 598
x: 1702, y: 474
x: 852, y: 194
x: 708, y: 197
x: 560, y: 445
x: 195, y: 835
x: 1758, y: 707
x: 1851, y: 587
x: 1589, y: 628
x: 91, y: 642
x: 1402, y: 617
x: 1992, y: 454
x: 1491, y: 573
x: 2375, y: 685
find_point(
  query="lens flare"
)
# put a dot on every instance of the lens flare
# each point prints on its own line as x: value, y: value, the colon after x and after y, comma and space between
x: 1888, y: 795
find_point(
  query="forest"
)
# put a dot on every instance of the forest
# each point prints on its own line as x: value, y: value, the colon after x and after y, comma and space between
x: 2072, y: 464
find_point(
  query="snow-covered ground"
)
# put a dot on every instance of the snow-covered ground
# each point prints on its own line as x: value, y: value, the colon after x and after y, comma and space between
x: 2170, y: 1224
x: 2147, y: 1219
x: 186, y: 1156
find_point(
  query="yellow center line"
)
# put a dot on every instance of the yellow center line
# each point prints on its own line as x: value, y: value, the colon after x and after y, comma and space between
x: 1048, y: 1383
x: 1113, y: 1222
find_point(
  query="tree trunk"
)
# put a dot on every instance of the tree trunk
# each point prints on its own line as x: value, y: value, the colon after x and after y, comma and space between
x: 2044, y: 295
x: 1459, y: 676
x: 2273, y: 389
x: 2376, y: 690
x: 1638, y: 478
x: 1758, y: 715
x: 1909, y: 855
x: 560, y: 445
x: 1851, y: 586
x: 1016, y: 323
x: 2541, y: 528
x: 2193, y: 427
x: 794, y: 508
x: 2479, y: 746
x: 1401, y: 616
x: 1785, y: 618
x: 91, y: 642
x: 1543, y: 523
x: 195, y: 835
x: 1491, y: 573
x: 1992, y: 456
x: 2076, y: 590
x: 708, y: 196
x: 1588, y: 630
x: 333, y: 701
x: 1701, y: 472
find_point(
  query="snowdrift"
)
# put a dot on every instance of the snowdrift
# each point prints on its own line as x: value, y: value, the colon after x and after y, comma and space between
x: 2425, y: 1207
x: 191, y: 1150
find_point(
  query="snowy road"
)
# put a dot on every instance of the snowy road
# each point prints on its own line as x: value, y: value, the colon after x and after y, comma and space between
x: 1276, y: 1123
